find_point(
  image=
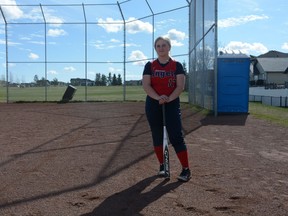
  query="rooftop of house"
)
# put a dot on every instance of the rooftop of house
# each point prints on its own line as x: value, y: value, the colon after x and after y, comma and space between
x: 273, y: 54
x: 274, y: 64
x: 272, y: 61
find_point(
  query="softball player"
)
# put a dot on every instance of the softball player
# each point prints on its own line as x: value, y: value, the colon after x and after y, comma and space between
x: 163, y: 81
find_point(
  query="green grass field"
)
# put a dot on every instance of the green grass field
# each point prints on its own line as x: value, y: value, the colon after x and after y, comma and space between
x: 277, y: 115
x: 92, y: 93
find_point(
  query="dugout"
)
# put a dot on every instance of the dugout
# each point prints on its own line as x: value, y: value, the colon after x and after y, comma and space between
x: 233, y: 83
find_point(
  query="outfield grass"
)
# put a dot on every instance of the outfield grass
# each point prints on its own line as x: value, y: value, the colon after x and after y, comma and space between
x: 91, y: 93
x: 277, y: 115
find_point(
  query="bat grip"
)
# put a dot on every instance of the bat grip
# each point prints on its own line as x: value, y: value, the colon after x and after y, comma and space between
x: 164, y: 114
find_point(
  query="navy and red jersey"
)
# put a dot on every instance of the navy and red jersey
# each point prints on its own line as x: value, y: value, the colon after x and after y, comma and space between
x: 163, y: 76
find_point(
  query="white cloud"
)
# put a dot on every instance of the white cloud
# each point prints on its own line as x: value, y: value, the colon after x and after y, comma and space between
x: 175, y: 37
x: 53, y: 20
x: 33, y: 56
x: 130, y: 45
x: 69, y: 69
x: 173, y: 34
x: 246, y: 48
x: 113, y: 43
x: 113, y: 26
x: 114, y: 70
x: 2, y: 31
x: 114, y: 40
x: 11, y: 12
x: 9, y: 64
x: 139, y: 57
x: 133, y: 26
x: 52, y: 72
x: 25, y: 38
x: 56, y: 32
x: 9, y: 42
x: 165, y: 23
x: 37, y: 42
x: 35, y: 14
x: 230, y: 22
x: 111, y: 69
x: 285, y: 46
x: 175, y: 43
x: 101, y: 45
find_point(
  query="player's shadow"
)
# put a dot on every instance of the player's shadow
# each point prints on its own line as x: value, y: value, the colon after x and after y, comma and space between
x: 132, y: 200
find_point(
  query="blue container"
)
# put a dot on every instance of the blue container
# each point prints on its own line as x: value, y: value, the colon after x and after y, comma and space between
x: 233, y: 83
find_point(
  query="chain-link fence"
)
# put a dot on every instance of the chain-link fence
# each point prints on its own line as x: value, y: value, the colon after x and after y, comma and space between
x: 44, y: 48
x: 203, y: 53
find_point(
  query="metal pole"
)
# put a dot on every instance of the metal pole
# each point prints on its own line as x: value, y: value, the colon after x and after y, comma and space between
x: 216, y: 65
x: 153, y: 24
x: 189, y: 52
x: 45, y: 28
x: 85, y: 52
x: 194, y: 77
x: 6, y: 47
x: 124, y: 53
x: 203, y: 57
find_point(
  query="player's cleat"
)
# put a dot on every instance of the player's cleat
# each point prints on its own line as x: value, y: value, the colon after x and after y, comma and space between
x: 161, y: 172
x: 185, y: 175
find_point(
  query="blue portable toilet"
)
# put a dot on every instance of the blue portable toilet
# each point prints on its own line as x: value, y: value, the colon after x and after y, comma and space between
x: 233, y: 83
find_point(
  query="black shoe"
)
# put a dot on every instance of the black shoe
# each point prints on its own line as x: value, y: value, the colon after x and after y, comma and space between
x: 161, y: 172
x: 185, y: 175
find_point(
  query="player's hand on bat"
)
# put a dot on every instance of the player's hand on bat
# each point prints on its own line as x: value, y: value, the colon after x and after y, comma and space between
x: 163, y: 99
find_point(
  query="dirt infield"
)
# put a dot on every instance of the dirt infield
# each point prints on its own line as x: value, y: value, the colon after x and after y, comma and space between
x: 87, y: 159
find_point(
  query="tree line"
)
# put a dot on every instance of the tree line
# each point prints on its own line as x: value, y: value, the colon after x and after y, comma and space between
x: 103, y: 80
x: 100, y: 80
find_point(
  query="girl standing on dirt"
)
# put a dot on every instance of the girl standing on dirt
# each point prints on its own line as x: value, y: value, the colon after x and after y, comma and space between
x: 163, y: 81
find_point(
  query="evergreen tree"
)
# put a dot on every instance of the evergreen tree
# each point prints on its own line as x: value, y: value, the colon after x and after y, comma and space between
x: 36, y: 79
x: 103, y: 80
x: 186, y: 88
x: 114, y: 80
x: 55, y: 82
x: 184, y: 67
x: 98, y: 79
x: 119, y: 80
x: 109, y: 79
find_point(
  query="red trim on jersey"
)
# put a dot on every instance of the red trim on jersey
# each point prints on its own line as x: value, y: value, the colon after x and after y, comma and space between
x: 163, y: 78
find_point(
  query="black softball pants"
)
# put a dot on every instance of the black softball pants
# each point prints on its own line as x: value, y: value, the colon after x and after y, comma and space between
x: 173, y: 123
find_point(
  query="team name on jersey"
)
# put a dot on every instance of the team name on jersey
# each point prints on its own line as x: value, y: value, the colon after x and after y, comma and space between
x: 162, y: 74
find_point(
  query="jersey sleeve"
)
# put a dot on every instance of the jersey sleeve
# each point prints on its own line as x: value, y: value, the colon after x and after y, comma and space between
x: 147, y: 69
x: 179, y: 68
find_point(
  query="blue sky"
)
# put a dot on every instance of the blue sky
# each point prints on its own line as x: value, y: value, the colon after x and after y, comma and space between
x: 253, y: 26
x: 249, y: 26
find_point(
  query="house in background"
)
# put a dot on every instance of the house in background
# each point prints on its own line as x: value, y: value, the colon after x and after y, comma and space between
x: 81, y: 82
x: 271, y: 67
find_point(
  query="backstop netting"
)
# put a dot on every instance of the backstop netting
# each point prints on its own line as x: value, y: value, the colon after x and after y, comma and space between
x: 93, y: 47
x: 101, y: 49
x: 203, y: 53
